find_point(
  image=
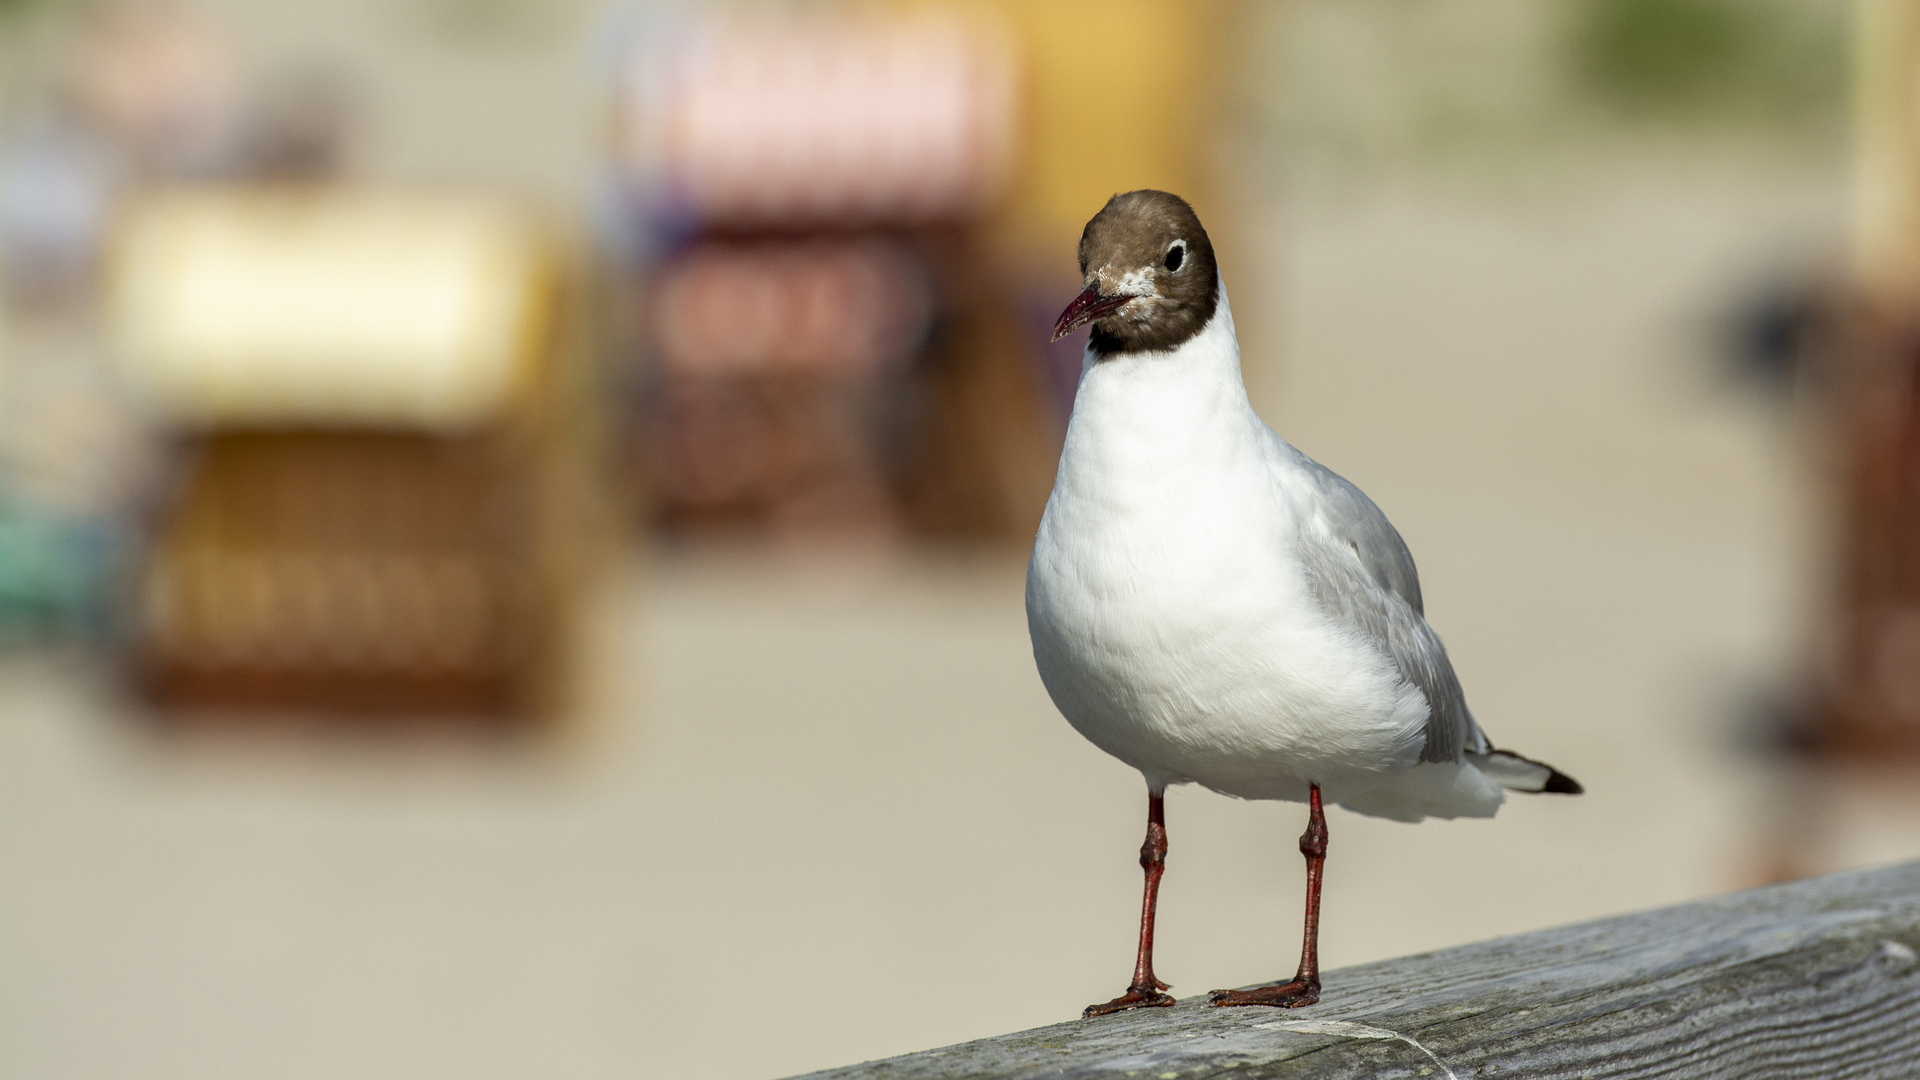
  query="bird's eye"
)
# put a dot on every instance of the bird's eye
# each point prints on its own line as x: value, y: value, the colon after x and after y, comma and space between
x: 1176, y: 255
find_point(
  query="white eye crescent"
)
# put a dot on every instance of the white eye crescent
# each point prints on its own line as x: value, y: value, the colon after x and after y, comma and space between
x: 1176, y: 256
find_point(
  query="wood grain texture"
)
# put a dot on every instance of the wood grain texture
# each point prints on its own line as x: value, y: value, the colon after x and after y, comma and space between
x: 1819, y: 978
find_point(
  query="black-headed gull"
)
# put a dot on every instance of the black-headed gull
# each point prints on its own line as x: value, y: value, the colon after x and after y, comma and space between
x: 1211, y: 606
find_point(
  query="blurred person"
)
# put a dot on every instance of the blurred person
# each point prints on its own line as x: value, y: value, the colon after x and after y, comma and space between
x: 58, y: 182
x: 163, y: 83
x: 149, y: 92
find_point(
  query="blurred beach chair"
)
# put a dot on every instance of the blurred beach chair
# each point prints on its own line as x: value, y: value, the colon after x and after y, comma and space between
x: 1870, y: 704
x: 1864, y: 361
x: 376, y: 515
x: 821, y: 343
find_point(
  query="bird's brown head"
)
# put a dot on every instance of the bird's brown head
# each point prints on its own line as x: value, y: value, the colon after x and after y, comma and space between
x: 1149, y: 278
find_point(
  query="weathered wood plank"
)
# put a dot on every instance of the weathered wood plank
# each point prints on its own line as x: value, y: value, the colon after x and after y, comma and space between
x: 1819, y: 978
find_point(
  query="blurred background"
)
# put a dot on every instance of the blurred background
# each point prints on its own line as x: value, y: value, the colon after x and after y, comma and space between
x: 513, y: 512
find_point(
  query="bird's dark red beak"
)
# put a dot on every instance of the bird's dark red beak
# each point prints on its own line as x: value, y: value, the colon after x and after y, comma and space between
x: 1088, y: 307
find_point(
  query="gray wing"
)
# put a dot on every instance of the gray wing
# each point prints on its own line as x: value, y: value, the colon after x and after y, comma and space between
x: 1365, y: 579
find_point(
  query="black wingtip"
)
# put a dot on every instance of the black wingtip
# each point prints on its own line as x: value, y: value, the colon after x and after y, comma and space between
x: 1561, y: 784
x: 1557, y: 782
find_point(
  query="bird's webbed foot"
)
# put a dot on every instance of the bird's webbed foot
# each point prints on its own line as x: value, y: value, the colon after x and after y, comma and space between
x: 1287, y: 995
x: 1136, y: 997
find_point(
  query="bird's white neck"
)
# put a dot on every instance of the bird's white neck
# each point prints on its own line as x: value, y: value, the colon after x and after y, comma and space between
x: 1188, y: 402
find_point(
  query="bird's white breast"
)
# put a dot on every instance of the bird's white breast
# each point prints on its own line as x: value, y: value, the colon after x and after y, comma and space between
x: 1170, y: 613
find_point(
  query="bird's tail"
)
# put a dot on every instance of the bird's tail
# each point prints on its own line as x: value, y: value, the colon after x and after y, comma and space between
x: 1517, y: 773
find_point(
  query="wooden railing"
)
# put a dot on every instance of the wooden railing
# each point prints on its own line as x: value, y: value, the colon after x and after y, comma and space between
x: 1819, y: 978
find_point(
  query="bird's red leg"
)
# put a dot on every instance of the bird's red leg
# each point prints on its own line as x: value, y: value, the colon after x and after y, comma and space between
x: 1305, y: 987
x: 1146, y: 990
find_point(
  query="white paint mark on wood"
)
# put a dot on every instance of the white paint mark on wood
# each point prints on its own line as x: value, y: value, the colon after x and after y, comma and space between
x: 1348, y: 1029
